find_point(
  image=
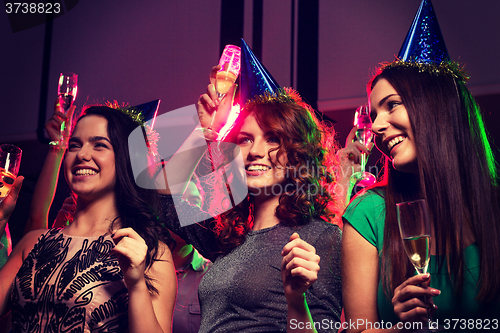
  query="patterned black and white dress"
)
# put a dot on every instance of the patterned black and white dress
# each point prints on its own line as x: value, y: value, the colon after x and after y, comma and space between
x: 70, y: 284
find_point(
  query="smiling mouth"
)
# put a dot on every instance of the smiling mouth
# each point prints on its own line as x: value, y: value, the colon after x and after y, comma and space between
x: 85, y: 172
x: 394, y: 142
x: 257, y: 167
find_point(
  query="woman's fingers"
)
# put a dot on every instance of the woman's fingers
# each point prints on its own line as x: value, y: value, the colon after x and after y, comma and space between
x: 53, y: 125
x: 213, y: 73
x: 413, y: 298
x: 131, y: 250
x: 205, y: 108
x: 212, y: 94
x: 207, y: 100
x: 414, y: 281
x: 127, y: 232
x: 9, y: 202
x: 300, y: 259
x: 351, y: 136
x: 295, y: 241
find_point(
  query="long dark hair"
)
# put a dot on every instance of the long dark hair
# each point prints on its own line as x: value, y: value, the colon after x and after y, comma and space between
x: 137, y: 207
x: 457, y: 175
x: 309, y: 148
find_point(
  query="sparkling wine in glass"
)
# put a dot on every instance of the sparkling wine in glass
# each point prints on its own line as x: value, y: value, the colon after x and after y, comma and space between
x: 229, y: 63
x: 67, y: 89
x: 364, y: 135
x: 224, y: 80
x: 415, y: 229
x: 10, y: 159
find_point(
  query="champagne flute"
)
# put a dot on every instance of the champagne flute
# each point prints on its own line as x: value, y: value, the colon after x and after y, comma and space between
x: 364, y: 135
x: 66, y: 89
x: 229, y: 63
x: 224, y: 79
x: 10, y: 159
x: 415, y: 230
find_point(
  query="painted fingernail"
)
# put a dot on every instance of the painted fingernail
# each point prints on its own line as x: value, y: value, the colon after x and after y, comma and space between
x: 426, y: 276
x: 435, y: 291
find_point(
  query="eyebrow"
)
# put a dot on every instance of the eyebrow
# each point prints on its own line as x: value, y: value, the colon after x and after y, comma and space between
x: 250, y: 135
x: 91, y: 139
x: 382, y: 101
x: 245, y: 134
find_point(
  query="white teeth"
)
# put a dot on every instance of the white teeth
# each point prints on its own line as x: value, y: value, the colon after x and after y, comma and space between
x: 395, y: 141
x: 85, y: 172
x: 258, y: 168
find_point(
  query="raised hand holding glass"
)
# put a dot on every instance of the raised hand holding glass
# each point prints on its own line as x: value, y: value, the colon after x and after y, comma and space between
x: 224, y: 80
x: 10, y: 160
x: 364, y: 135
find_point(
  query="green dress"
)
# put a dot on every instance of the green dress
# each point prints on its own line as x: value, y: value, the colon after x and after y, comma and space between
x: 366, y: 214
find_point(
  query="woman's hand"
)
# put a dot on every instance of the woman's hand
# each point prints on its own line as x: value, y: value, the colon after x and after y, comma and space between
x: 299, y: 268
x: 65, y: 214
x: 350, y: 155
x: 349, y: 163
x: 9, y: 202
x: 131, y: 251
x: 209, y: 102
x: 53, y: 125
x: 413, y: 297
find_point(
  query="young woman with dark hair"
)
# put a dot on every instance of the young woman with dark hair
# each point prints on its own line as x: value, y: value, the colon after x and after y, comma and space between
x: 110, y: 268
x: 431, y: 131
x: 266, y: 250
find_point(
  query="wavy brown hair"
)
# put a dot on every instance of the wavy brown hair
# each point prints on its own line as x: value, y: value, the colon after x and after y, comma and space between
x: 309, y: 148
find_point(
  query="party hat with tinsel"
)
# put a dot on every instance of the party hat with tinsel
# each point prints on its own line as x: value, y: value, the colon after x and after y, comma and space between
x: 145, y: 116
x: 424, y: 42
x: 148, y: 111
x: 255, y: 80
x: 424, y: 46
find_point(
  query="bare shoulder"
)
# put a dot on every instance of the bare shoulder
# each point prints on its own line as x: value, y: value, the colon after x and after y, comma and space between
x: 164, y: 253
x: 15, y: 261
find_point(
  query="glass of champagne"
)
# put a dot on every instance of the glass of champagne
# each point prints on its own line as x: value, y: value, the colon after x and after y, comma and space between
x: 364, y: 135
x: 229, y: 70
x: 10, y: 160
x: 224, y: 79
x: 66, y: 89
x: 415, y: 230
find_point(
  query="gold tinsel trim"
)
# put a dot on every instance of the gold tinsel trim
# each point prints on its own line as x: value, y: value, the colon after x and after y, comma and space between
x: 444, y: 68
x: 281, y: 96
x: 135, y: 114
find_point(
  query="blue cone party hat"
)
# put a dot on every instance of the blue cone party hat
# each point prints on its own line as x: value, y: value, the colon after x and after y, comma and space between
x: 424, y: 42
x: 255, y: 80
x: 148, y: 110
x: 424, y: 47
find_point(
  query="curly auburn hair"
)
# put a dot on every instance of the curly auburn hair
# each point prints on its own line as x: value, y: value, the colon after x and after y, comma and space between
x: 309, y: 148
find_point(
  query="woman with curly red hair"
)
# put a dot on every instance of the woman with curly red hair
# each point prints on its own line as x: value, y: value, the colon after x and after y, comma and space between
x: 266, y: 249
